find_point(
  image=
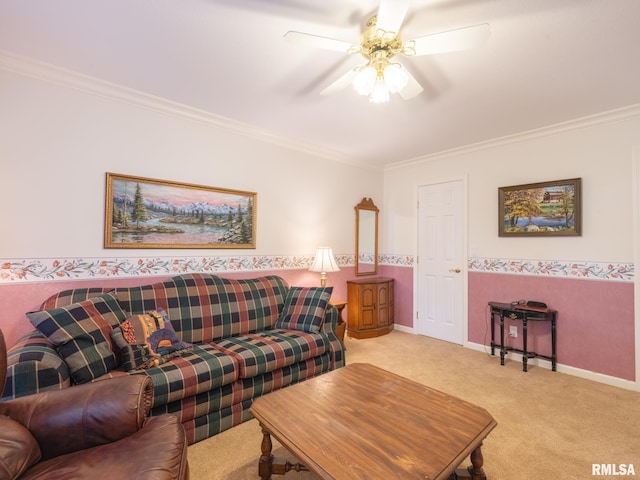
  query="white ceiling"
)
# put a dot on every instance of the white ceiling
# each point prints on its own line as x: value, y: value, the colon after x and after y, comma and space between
x: 547, y: 62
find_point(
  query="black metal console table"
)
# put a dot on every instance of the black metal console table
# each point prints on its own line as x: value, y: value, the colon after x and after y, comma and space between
x: 510, y: 311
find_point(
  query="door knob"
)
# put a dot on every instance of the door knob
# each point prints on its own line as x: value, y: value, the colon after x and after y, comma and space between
x: 455, y: 270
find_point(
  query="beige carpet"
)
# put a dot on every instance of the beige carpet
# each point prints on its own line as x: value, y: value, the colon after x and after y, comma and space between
x: 550, y: 425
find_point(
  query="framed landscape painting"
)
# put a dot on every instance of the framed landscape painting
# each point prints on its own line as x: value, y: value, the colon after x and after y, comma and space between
x: 540, y: 209
x: 148, y: 213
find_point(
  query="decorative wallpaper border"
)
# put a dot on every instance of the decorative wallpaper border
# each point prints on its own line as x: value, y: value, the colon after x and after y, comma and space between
x: 39, y: 269
x: 610, y: 271
x: 396, y: 260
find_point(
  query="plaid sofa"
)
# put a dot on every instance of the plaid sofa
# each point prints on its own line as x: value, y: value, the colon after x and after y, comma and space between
x: 237, y: 353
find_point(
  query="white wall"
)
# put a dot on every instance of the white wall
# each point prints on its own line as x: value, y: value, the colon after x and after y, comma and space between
x: 598, y: 149
x: 60, y: 134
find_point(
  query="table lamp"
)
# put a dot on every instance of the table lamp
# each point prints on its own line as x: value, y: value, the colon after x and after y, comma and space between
x: 324, y: 262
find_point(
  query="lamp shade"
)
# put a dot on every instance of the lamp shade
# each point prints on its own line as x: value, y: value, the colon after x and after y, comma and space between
x: 324, y: 261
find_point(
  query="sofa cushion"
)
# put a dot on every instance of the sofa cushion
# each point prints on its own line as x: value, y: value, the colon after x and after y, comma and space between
x: 18, y: 449
x: 199, y: 370
x: 213, y: 412
x: 304, y: 309
x: 81, y: 333
x: 270, y: 350
x: 75, y: 295
x: 203, y: 308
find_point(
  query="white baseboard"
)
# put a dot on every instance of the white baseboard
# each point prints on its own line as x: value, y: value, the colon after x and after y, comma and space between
x: 402, y: 328
x: 541, y: 362
x: 576, y: 372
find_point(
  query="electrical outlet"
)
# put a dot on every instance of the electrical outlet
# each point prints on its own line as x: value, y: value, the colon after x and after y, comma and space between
x: 513, y: 330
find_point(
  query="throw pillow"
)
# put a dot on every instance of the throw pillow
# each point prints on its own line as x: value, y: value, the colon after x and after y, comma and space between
x: 18, y: 449
x: 304, y: 309
x: 154, y: 329
x: 81, y: 334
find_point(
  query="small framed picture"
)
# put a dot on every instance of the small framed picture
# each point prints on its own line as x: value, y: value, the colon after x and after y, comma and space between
x: 540, y: 209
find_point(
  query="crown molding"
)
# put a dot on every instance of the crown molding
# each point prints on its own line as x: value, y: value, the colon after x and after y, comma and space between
x: 46, y: 72
x: 49, y: 73
x: 611, y: 116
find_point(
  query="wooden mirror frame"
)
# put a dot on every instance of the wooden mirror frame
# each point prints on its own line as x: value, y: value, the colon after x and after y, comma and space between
x: 362, y: 228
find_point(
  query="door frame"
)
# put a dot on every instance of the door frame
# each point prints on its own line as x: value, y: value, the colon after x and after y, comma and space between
x: 635, y: 164
x: 465, y: 257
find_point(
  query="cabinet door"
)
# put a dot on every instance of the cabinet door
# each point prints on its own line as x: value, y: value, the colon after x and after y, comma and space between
x: 368, y: 296
x: 392, y: 302
x: 383, y: 305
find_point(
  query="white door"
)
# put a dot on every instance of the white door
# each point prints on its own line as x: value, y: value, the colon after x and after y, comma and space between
x: 441, y: 266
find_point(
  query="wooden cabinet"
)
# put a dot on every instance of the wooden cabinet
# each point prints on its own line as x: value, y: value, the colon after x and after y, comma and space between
x: 369, y: 307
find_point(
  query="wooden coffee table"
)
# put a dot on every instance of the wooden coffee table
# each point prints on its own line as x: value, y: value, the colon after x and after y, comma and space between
x: 362, y: 422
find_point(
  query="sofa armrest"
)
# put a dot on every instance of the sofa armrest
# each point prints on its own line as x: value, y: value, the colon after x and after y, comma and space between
x: 83, y: 416
x: 33, y: 365
x: 331, y: 318
x: 329, y: 328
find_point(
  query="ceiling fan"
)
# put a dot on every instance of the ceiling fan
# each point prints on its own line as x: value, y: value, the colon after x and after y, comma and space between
x: 380, y: 43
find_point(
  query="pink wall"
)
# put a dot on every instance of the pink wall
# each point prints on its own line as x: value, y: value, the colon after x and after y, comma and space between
x: 595, y: 322
x: 403, y: 293
x: 595, y: 318
x: 18, y: 298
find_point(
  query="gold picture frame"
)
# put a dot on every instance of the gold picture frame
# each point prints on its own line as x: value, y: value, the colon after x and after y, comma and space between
x: 149, y: 213
x: 544, y: 209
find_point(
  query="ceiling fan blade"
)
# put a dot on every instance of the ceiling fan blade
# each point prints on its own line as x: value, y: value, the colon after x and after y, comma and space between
x: 316, y: 41
x: 341, y: 83
x: 451, y: 41
x: 412, y: 89
x: 391, y: 13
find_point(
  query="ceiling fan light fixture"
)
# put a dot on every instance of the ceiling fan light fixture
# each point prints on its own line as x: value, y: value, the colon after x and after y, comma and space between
x: 380, y: 41
x: 395, y: 77
x: 365, y: 80
x: 380, y: 93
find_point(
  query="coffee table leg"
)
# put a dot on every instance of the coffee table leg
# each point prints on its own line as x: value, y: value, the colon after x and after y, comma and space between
x: 265, y: 466
x: 268, y: 465
x: 474, y: 471
x: 477, y: 460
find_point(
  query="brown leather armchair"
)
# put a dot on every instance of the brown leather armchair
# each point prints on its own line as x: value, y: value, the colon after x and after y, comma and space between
x: 92, y: 431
